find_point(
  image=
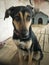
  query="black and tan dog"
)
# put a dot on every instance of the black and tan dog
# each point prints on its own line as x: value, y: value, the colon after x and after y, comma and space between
x: 23, y: 35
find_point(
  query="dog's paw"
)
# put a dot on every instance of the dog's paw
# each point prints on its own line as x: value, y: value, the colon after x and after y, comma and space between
x: 37, y: 56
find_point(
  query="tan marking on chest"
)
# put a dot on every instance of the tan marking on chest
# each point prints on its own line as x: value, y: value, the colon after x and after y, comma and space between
x: 26, y: 45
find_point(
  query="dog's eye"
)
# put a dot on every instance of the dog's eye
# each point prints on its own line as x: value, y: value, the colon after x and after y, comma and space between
x: 17, y: 18
x: 28, y: 18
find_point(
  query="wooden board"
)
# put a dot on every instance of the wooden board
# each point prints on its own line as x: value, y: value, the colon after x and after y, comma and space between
x: 8, y: 51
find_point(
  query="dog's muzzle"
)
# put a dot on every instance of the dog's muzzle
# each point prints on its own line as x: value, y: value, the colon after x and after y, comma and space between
x: 24, y: 33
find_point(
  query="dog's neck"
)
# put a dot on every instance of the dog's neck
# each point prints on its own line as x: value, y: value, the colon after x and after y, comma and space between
x: 16, y: 36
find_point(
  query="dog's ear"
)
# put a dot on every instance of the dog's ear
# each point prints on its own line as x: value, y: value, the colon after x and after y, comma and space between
x: 9, y: 12
x: 30, y: 7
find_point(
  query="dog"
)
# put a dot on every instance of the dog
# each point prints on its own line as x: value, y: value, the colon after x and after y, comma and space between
x: 23, y: 35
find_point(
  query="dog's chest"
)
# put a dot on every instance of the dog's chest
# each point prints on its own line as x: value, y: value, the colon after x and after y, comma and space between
x: 24, y: 45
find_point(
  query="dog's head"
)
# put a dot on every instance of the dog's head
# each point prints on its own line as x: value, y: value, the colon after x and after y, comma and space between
x: 22, y: 19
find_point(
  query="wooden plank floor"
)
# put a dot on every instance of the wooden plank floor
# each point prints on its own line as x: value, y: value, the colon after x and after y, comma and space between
x: 8, y: 51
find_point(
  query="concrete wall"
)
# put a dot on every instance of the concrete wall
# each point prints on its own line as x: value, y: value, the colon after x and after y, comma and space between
x: 40, y: 15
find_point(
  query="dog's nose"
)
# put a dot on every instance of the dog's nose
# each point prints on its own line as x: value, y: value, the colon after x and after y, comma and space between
x: 23, y: 31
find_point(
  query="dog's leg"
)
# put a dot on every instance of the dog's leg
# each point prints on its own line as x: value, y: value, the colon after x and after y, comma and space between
x: 30, y: 58
x: 20, y: 58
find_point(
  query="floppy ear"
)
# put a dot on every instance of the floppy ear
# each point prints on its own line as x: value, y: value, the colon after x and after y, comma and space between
x: 9, y: 12
x: 30, y: 7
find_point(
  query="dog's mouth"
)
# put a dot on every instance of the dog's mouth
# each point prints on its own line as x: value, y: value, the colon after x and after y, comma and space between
x: 22, y: 35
